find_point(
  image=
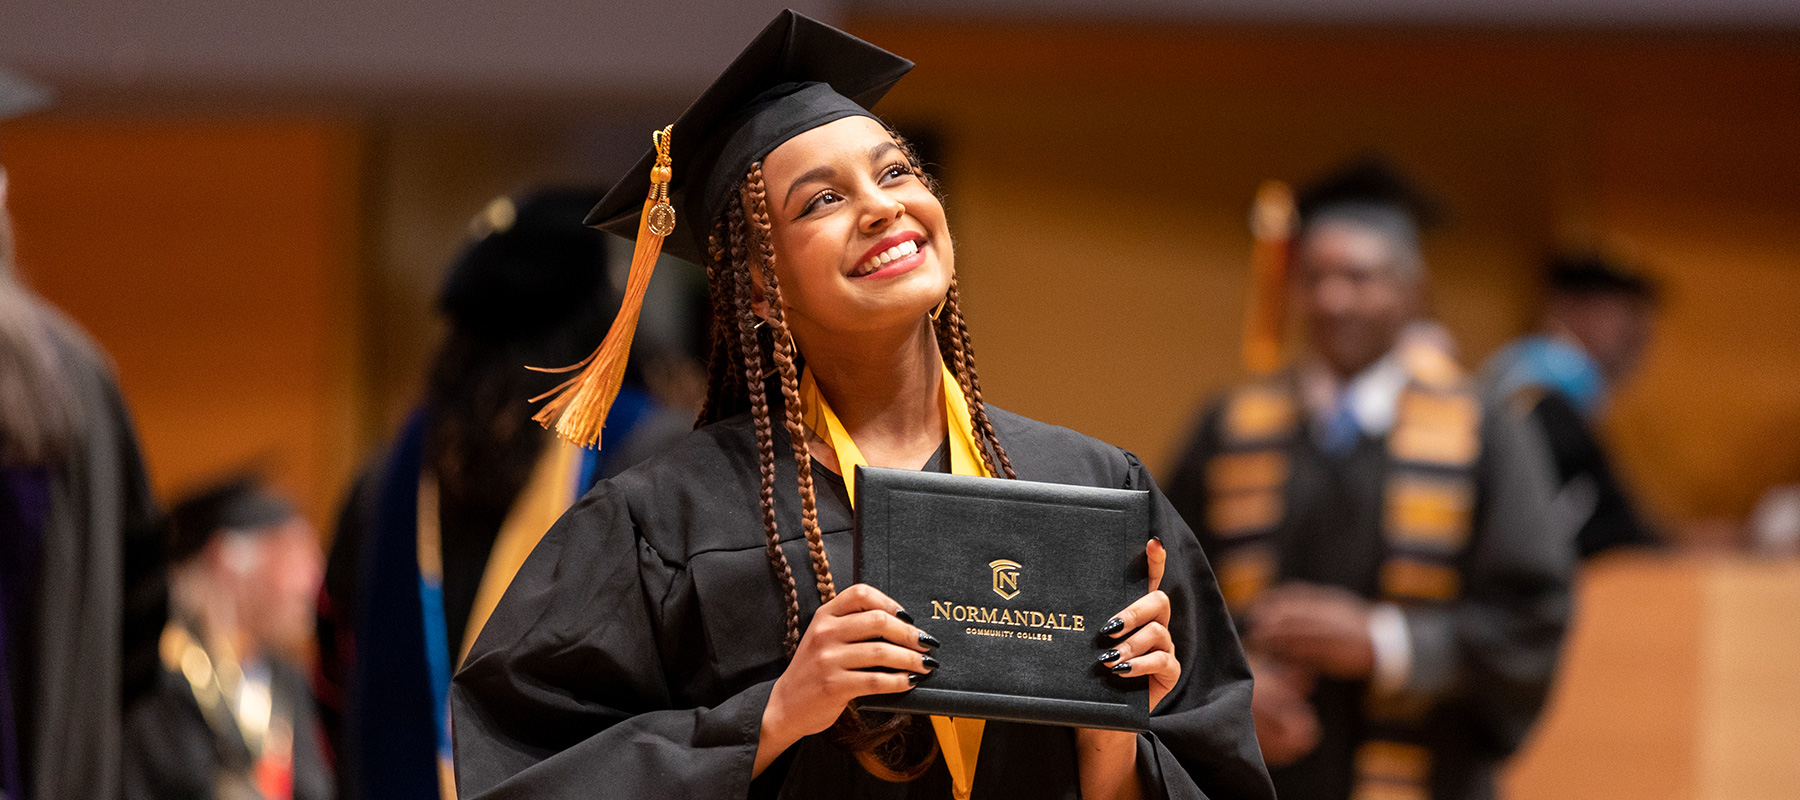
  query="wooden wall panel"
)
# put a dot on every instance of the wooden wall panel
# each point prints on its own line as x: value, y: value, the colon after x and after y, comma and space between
x: 1100, y: 175
x: 216, y: 261
x: 1624, y: 713
x: 1678, y: 683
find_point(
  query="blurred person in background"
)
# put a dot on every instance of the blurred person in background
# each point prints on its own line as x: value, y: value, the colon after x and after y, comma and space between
x: 1382, y: 541
x: 433, y: 531
x: 232, y: 717
x: 1597, y: 321
x: 82, y: 596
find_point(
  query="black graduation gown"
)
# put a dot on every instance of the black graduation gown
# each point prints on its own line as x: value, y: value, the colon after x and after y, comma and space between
x: 1485, y: 663
x: 1589, y: 490
x: 171, y: 751
x: 99, y: 594
x: 634, y: 653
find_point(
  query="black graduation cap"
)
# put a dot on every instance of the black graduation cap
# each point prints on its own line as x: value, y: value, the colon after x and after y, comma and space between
x: 19, y: 95
x: 1577, y: 273
x: 1369, y: 181
x: 796, y: 75
x: 243, y: 504
x: 532, y: 268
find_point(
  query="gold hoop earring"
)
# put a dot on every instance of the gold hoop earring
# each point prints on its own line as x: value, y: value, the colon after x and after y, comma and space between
x: 940, y: 308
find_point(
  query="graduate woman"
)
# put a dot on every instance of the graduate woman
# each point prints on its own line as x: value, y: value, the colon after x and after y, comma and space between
x: 686, y: 631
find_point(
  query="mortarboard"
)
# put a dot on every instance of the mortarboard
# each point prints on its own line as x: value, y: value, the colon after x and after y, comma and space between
x: 796, y: 75
x: 19, y: 95
x: 243, y: 504
x: 531, y: 267
x: 1369, y: 182
x: 1597, y: 273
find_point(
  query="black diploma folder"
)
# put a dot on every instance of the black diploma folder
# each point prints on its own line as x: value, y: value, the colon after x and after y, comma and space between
x: 1015, y: 579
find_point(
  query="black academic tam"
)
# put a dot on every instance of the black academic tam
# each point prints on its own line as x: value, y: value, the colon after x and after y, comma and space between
x: 796, y: 75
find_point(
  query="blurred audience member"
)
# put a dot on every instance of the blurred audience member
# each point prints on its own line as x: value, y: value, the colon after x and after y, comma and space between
x: 232, y: 717
x: 81, y: 580
x: 1596, y: 325
x: 1382, y: 541
x: 432, y: 532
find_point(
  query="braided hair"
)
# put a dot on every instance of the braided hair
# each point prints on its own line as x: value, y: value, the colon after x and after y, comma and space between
x: 740, y: 252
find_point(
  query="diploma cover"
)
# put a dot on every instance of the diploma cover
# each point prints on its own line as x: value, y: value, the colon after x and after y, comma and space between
x: 1015, y: 579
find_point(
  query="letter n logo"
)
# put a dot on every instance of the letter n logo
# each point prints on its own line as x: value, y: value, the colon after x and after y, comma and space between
x: 1006, y: 578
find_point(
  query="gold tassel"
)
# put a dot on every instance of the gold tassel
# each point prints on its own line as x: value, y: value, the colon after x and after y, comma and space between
x: 1271, y: 225
x: 579, y: 406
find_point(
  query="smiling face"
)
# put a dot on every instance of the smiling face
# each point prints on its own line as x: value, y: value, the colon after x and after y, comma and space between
x: 1357, y: 291
x: 860, y: 241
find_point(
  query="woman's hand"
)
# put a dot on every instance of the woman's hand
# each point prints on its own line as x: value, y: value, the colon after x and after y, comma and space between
x: 1108, y: 759
x: 851, y: 638
x: 1147, y: 650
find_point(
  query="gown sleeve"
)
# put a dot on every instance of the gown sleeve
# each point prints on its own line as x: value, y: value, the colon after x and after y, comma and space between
x: 565, y: 693
x: 1202, y: 743
x: 1495, y: 650
x: 1582, y: 467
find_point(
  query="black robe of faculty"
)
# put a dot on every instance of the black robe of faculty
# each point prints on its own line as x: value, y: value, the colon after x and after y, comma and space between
x: 1484, y: 664
x: 634, y: 653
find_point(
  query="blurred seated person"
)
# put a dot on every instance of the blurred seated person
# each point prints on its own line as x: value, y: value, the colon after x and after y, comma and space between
x: 233, y: 717
x: 433, y: 530
x: 1381, y: 540
x: 1596, y: 324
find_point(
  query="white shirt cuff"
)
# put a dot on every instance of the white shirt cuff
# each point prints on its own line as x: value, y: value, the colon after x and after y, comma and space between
x: 1393, y: 648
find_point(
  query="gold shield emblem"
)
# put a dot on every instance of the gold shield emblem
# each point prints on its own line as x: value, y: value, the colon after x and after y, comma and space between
x: 1006, y: 578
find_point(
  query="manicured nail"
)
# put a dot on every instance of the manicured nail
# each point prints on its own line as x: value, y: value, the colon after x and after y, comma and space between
x: 1121, y: 667
x: 913, y: 678
x: 1112, y: 626
x: 904, y: 617
x: 1110, y: 655
x: 931, y: 663
x: 928, y: 640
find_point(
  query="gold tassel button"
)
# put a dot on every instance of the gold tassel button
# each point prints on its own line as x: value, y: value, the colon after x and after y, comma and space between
x: 662, y: 215
x: 577, y: 407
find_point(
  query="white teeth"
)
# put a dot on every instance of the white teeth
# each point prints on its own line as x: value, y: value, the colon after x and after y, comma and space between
x: 900, y: 250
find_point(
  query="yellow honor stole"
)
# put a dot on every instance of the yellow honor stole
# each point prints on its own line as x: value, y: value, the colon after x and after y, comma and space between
x: 959, y: 739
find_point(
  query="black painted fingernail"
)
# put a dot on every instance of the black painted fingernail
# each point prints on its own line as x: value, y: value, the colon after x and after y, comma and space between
x: 928, y: 640
x: 1112, y: 626
x: 931, y: 663
x: 904, y: 617
x: 913, y: 678
x: 1123, y: 666
x: 1110, y: 655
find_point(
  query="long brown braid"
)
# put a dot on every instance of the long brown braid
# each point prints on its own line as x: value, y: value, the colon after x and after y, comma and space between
x: 724, y: 386
x: 959, y: 353
x: 757, y: 206
x: 751, y: 355
x: 741, y: 250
